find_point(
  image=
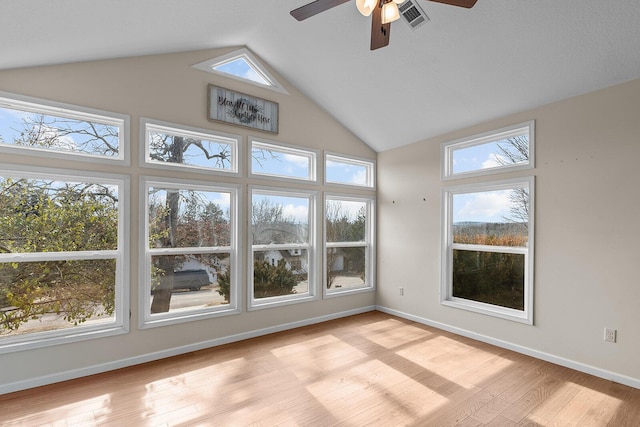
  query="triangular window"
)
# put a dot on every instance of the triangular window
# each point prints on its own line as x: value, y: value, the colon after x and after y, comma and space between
x: 241, y: 65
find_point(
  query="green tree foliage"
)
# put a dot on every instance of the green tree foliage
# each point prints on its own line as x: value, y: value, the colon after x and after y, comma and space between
x: 48, y: 216
x: 272, y: 280
x: 490, y: 277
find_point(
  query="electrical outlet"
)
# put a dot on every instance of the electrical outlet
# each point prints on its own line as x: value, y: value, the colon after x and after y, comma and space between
x: 609, y: 335
x: 401, y: 290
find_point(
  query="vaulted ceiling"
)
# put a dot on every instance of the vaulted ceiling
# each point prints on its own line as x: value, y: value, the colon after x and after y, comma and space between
x: 463, y: 67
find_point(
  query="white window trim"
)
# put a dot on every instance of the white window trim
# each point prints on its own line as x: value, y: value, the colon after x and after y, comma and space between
x: 121, y: 311
x: 370, y: 166
x: 146, y: 319
x: 235, y: 141
x: 447, y: 246
x: 368, y: 244
x: 59, y: 109
x: 447, y: 149
x: 280, y: 147
x: 311, y: 247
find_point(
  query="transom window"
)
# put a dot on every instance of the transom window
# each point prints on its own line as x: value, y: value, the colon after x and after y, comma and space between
x: 280, y: 161
x: 37, y: 126
x: 177, y: 146
x: 244, y: 66
x: 509, y: 148
x: 282, y: 245
x: 349, y: 171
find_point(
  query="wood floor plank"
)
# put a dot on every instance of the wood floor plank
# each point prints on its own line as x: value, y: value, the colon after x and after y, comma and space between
x: 371, y: 369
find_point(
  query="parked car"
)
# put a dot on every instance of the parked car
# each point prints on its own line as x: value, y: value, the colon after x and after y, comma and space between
x: 192, y: 280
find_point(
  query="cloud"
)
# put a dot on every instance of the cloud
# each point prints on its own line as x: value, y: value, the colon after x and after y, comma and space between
x: 494, y: 160
x: 300, y: 213
x: 486, y: 207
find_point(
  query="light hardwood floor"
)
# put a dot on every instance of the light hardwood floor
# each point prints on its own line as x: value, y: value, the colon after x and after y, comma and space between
x: 366, y: 370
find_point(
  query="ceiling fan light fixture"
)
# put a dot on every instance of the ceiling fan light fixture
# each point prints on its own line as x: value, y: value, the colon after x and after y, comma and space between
x: 390, y: 12
x: 365, y: 7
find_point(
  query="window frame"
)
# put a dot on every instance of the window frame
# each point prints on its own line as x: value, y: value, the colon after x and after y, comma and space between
x: 148, y: 320
x: 146, y: 125
x: 369, y: 165
x: 447, y: 247
x: 447, y: 149
x: 312, y: 155
x: 310, y: 246
x: 368, y: 244
x: 81, y: 332
x: 69, y: 111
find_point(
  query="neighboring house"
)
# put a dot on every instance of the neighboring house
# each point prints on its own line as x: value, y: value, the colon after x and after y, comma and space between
x: 293, y: 258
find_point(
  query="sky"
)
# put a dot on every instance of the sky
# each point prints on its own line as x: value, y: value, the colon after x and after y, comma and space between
x: 477, y: 157
x: 489, y: 206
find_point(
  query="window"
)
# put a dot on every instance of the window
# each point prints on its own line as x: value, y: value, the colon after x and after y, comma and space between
x: 31, y: 126
x: 190, y: 251
x: 169, y: 145
x: 510, y: 148
x: 279, y: 161
x: 242, y: 65
x: 282, y: 245
x: 488, y: 248
x: 349, y: 247
x: 349, y: 171
x: 63, y: 257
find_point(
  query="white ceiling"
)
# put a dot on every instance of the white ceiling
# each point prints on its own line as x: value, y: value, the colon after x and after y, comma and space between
x: 464, y: 67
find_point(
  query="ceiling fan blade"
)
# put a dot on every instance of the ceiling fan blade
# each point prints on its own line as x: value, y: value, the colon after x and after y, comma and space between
x: 462, y: 3
x: 315, y: 7
x: 379, y: 32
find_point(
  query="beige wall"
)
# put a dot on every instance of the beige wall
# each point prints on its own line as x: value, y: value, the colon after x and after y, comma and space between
x: 586, y: 241
x: 165, y: 87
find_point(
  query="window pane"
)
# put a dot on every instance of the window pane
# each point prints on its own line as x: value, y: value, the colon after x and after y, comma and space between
x: 495, y: 154
x: 52, y: 295
x: 267, y: 159
x: 279, y: 219
x: 346, y: 221
x: 489, y: 277
x: 280, y: 272
x: 496, y: 218
x: 346, y: 267
x: 190, y: 148
x: 241, y: 67
x: 188, y: 218
x: 31, y: 129
x: 56, y: 216
x: 188, y: 282
x: 347, y: 171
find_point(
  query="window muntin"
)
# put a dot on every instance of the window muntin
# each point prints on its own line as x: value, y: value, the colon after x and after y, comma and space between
x: 279, y: 161
x: 37, y: 126
x: 348, y: 171
x: 348, y: 257
x: 182, y: 147
x: 63, y: 258
x: 506, y: 149
x: 282, y: 245
x: 190, y: 251
x: 488, y: 248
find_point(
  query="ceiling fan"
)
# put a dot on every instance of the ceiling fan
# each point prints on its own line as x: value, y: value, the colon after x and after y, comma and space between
x: 383, y: 13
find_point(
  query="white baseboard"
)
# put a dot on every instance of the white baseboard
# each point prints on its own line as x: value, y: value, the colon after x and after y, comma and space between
x: 602, y: 373
x: 123, y: 363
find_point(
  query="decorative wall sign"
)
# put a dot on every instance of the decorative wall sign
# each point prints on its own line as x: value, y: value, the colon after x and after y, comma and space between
x: 237, y: 108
